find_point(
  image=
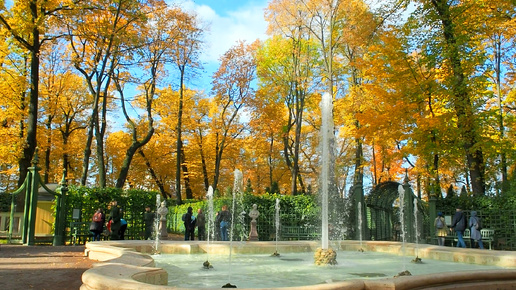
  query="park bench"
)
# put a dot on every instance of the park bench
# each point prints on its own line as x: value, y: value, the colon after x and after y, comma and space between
x: 80, y: 233
x: 300, y: 233
x: 487, y: 237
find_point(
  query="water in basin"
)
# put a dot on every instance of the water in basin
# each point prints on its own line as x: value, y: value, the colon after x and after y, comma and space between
x: 292, y: 269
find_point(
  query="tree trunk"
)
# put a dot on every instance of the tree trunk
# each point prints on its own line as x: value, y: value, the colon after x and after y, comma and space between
x: 32, y: 122
x: 462, y: 102
x: 204, y: 168
x: 158, y: 181
x: 186, y: 178
x: 271, y: 168
x: 358, y: 177
x: 87, y: 154
x: 179, y: 142
x: 219, y: 148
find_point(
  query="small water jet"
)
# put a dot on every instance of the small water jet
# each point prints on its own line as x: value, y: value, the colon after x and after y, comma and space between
x: 277, y: 224
x: 211, y: 226
x: 416, y: 230
x: 401, y: 192
x: 360, y: 225
x: 236, y: 190
x: 156, y: 226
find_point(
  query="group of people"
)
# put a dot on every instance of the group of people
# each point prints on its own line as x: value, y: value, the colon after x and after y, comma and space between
x: 115, y: 224
x: 223, y: 219
x: 190, y: 221
x: 459, y: 224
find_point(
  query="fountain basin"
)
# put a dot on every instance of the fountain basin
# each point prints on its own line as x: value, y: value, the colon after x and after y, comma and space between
x: 128, y: 264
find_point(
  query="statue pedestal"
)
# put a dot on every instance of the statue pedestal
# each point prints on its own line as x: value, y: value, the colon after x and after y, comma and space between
x: 163, y: 229
x: 253, y: 236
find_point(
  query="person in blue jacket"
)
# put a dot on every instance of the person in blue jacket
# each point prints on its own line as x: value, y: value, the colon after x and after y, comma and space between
x: 123, y: 227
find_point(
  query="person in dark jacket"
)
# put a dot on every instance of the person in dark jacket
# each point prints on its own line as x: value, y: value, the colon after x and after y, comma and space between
x: 201, y: 225
x: 115, y: 216
x: 459, y: 225
x: 148, y: 218
x: 189, y: 220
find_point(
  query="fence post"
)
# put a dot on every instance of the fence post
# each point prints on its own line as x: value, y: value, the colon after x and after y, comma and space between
x: 432, y: 214
x: 32, y: 207
x: 59, y: 228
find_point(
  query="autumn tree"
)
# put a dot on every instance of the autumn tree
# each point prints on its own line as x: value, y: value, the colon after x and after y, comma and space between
x: 65, y: 102
x: 231, y: 88
x: 30, y: 24
x: 286, y: 70
x: 100, y: 37
x: 13, y: 87
x: 187, y: 45
x: 155, y: 52
x: 498, y: 42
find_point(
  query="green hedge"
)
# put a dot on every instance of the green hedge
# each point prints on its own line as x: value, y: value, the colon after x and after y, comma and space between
x: 301, y: 210
x: 132, y: 202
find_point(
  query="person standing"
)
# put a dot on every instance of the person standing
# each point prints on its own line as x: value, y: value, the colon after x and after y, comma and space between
x: 148, y: 219
x: 97, y: 224
x: 201, y: 225
x: 459, y: 225
x: 189, y: 221
x: 474, y: 227
x: 441, y: 230
x: 114, y: 216
x: 224, y: 218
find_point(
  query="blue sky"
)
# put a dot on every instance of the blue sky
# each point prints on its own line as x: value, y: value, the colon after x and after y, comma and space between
x: 228, y: 22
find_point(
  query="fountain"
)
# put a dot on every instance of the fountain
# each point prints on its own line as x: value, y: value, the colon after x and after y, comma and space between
x: 128, y: 265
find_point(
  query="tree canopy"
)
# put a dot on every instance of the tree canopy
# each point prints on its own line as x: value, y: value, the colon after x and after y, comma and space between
x: 104, y: 92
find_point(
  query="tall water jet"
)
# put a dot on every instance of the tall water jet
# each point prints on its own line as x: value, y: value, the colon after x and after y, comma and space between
x: 325, y: 255
x: 326, y: 133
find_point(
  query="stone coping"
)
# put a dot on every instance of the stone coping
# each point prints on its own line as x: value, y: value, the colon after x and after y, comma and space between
x: 128, y: 264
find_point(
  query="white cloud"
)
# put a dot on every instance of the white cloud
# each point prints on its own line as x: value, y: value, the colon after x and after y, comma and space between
x: 243, y: 23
